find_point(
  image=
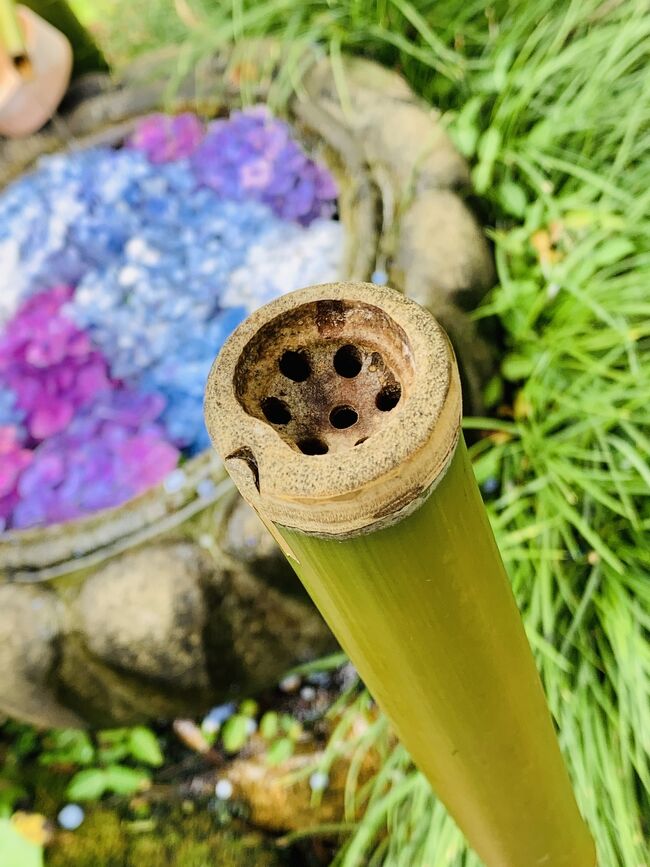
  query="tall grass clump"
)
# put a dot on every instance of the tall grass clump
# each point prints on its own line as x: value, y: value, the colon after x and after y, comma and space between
x: 550, y: 101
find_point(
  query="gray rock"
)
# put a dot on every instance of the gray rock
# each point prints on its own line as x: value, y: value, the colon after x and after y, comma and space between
x: 441, y: 256
x: 143, y: 612
x: 247, y: 540
x: 168, y: 630
x: 30, y: 625
x: 398, y: 133
x: 265, y: 632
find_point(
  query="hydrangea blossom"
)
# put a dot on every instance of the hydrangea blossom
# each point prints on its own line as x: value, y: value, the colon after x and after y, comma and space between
x: 268, y: 272
x: 164, y: 138
x: 10, y: 413
x: 168, y: 242
x: 49, y: 364
x: 14, y: 458
x: 75, y: 212
x: 252, y: 155
x: 111, y: 452
x: 168, y: 282
x: 180, y: 377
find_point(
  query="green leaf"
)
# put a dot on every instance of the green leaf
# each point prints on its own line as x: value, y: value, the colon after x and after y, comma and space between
x: 325, y: 663
x: 290, y: 726
x: 126, y: 781
x: 512, y: 198
x: 68, y: 747
x: 515, y: 367
x: 88, y: 785
x: 488, y: 465
x: 542, y: 134
x: 269, y: 725
x: 114, y: 736
x: 144, y: 746
x: 488, y: 150
x: 493, y: 391
x: 16, y: 850
x: 10, y: 793
x: 465, y: 130
x: 26, y: 741
x: 235, y: 733
x: 249, y: 708
x: 612, y: 251
x: 286, y: 722
x: 279, y: 751
x: 109, y: 755
x: 501, y: 66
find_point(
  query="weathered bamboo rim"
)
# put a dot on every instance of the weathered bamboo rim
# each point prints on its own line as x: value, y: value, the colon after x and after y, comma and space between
x: 336, y: 408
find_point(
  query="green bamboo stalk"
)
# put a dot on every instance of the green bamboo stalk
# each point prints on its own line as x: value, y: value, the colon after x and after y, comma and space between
x: 11, y: 33
x: 385, y: 527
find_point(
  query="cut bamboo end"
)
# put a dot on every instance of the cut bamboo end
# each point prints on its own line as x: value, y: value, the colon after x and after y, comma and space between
x: 336, y: 408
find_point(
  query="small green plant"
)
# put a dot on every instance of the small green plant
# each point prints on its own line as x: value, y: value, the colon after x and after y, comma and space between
x: 281, y: 731
x: 116, y: 761
x: 113, y: 761
x: 19, y: 742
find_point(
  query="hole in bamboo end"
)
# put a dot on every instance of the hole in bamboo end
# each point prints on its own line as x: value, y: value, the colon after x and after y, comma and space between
x: 275, y: 410
x: 388, y: 397
x: 348, y: 361
x: 294, y: 364
x: 326, y: 375
x: 313, y: 446
x: 343, y: 417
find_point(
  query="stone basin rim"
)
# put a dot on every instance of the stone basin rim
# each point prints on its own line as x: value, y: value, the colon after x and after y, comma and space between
x: 40, y: 554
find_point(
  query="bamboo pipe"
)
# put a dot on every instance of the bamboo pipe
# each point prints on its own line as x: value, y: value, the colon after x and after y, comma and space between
x: 87, y: 56
x: 336, y: 410
x: 12, y: 39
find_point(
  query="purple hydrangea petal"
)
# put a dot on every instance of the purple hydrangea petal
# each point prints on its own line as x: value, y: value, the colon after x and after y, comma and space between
x: 165, y: 139
x: 254, y: 155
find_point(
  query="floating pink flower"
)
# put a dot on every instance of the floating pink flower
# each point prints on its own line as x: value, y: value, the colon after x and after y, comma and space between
x: 50, y: 364
x: 112, y: 451
x: 164, y: 138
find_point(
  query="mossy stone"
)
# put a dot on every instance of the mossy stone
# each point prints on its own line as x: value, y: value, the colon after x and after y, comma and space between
x: 103, y: 840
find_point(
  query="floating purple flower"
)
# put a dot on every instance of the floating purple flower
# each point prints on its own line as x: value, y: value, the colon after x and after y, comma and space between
x: 14, y: 458
x: 252, y: 155
x: 49, y: 364
x: 10, y: 414
x: 111, y: 452
x: 164, y: 138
